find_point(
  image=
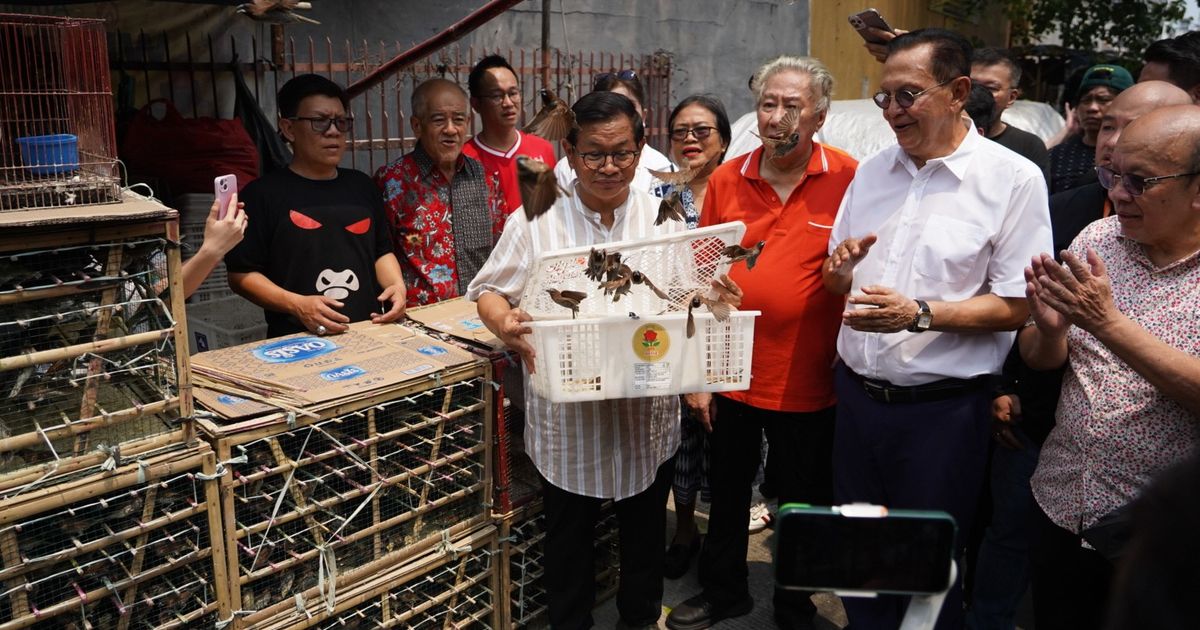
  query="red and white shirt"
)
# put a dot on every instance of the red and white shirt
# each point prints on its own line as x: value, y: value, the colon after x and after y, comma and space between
x: 1113, y: 430
x: 501, y: 165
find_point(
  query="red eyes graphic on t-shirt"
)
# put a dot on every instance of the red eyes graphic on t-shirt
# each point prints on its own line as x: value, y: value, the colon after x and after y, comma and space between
x: 305, y: 222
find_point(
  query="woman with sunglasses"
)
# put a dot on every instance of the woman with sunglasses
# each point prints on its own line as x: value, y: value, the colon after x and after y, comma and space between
x: 627, y: 84
x: 700, y: 135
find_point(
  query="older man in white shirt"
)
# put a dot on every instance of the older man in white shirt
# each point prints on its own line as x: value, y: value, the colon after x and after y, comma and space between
x: 592, y: 451
x: 931, y: 242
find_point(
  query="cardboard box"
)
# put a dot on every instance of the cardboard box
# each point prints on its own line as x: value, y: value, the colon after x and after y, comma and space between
x: 366, y: 358
x: 458, y: 318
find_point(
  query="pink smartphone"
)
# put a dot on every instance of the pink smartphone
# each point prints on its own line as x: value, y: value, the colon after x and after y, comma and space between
x: 224, y: 187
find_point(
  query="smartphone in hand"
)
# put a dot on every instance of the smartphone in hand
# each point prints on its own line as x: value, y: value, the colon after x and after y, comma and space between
x: 224, y: 187
x: 870, y: 18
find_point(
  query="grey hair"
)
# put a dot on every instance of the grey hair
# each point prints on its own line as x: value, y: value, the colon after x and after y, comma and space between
x: 820, y: 79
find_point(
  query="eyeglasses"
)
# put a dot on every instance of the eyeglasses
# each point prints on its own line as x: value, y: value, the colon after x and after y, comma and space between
x: 620, y: 159
x: 701, y: 133
x: 498, y: 97
x: 604, y: 77
x: 321, y: 124
x: 1135, y: 185
x: 904, y: 98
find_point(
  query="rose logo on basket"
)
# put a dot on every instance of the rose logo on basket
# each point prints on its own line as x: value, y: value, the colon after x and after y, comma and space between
x: 343, y: 373
x: 651, y: 342
x: 297, y: 349
x: 432, y: 351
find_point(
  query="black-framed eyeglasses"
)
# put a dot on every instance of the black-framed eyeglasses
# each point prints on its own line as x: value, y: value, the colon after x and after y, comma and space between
x: 321, y: 124
x: 1135, y: 185
x: 620, y: 159
x: 904, y: 98
x: 604, y: 77
x: 496, y: 98
x: 701, y: 133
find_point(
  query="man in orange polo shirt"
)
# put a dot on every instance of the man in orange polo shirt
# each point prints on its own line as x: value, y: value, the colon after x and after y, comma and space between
x: 787, y: 197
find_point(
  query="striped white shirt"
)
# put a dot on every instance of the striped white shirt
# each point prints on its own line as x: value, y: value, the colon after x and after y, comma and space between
x: 609, y: 448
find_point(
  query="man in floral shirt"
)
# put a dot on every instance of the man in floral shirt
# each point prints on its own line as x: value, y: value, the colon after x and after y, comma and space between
x: 445, y: 212
x: 1121, y: 315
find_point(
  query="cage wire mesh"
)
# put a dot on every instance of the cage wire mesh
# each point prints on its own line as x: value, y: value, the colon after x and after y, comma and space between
x: 456, y: 594
x: 87, y: 355
x: 57, y: 139
x: 316, y: 501
x: 514, y: 476
x: 135, y: 557
x: 679, y: 264
x: 524, y: 553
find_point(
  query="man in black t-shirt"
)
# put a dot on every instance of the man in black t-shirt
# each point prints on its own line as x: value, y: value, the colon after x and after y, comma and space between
x: 995, y: 70
x: 317, y: 254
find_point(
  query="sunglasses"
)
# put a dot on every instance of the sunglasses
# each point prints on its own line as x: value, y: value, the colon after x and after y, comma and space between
x: 1135, y: 185
x: 321, y: 125
x: 701, y: 133
x: 903, y: 98
x: 604, y: 77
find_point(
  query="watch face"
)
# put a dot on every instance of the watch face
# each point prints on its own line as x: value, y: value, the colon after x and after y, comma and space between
x: 924, y: 320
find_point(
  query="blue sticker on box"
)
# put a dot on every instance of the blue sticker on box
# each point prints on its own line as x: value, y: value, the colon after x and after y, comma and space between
x: 344, y: 373
x: 226, y: 399
x: 471, y: 324
x: 432, y: 351
x: 291, y: 350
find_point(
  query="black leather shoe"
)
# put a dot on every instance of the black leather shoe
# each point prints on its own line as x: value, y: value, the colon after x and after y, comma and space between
x: 698, y: 613
x: 679, y: 559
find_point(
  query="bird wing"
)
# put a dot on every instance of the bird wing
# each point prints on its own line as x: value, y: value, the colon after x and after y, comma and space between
x: 719, y: 309
x: 539, y: 189
x: 553, y: 122
x: 789, y: 122
x: 657, y: 291
x: 675, y: 178
x: 577, y: 296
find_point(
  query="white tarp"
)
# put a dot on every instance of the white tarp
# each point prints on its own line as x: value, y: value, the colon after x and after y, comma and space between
x: 858, y: 128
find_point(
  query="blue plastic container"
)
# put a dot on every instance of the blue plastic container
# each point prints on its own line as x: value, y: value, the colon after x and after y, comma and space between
x: 50, y: 155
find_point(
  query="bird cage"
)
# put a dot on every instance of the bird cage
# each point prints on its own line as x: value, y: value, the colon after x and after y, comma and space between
x: 57, y: 142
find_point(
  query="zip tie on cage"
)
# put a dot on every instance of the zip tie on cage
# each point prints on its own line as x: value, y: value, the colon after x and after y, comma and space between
x: 327, y: 573
x: 291, y: 419
x: 141, y: 475
x: 446, y: 546
x: 436, y: 377
x: 222, y: 469
x: 221, y: 624
x: 114, y: 457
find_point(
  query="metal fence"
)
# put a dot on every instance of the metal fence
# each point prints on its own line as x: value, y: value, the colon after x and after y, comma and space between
x: 195, y: 75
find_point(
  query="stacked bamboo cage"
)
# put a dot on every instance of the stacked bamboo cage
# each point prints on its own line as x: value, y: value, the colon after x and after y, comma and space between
x: 522, y: 583
x: 126, y: 548
x: 315, y: 510
x: 91, y: 315
x: 515, y: 480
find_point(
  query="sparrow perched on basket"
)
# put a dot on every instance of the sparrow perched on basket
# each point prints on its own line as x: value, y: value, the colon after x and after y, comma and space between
x: 568, y: 299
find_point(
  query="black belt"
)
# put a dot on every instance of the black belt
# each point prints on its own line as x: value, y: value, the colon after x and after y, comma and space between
x: 945, y: 389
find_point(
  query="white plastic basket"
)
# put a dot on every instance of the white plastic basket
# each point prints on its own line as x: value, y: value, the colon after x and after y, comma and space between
x: 678, y: 263
x: 638, y: 345
x: 596, y: 359
x: 224, y: 322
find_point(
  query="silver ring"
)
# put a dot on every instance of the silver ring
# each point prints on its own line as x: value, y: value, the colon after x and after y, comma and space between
x: 321, y: 330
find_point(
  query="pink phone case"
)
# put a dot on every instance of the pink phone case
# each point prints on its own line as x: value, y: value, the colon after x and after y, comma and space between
x: 224, y: 187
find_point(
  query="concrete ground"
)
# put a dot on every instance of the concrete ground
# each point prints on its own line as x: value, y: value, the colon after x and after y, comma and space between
x: 829, y: 608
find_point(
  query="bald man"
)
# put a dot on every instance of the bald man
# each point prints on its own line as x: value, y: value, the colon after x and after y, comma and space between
x: 1123, y: 307
x: 445, y: 212
x: 1023, y: 414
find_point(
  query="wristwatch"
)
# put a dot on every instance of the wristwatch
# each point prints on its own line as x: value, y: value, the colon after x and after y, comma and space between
x: 923, y: 320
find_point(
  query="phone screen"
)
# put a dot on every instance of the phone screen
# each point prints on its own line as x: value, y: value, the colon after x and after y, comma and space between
x: 821, y: 550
